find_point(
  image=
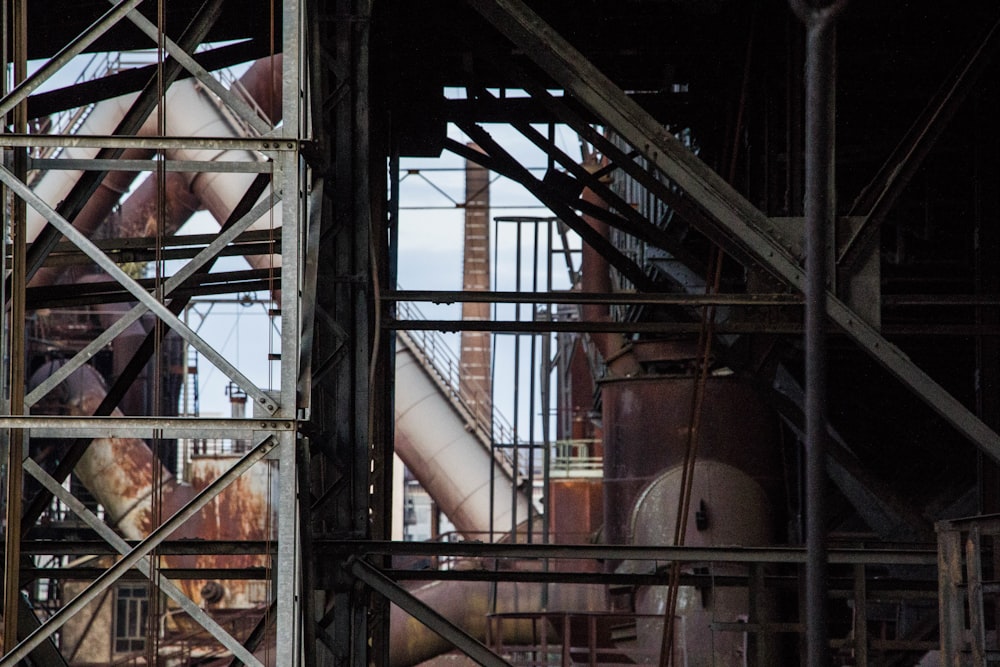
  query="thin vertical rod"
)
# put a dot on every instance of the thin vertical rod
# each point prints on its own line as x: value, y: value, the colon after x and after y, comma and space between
x: 820, y: 209
x: 517, y: 384
x: 15, y: 452
x: 546, y: 400
x: 493, y: 356
x: 531, y: 393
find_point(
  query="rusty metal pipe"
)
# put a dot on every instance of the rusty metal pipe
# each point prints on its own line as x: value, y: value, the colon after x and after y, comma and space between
x: 119, y: 472
x: 596, y: 279
x: 467, y: 605
x: 56, y: 184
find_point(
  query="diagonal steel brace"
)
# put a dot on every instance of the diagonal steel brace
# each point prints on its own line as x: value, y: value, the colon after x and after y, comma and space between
x: 727, y: 208
x: 140, y: 551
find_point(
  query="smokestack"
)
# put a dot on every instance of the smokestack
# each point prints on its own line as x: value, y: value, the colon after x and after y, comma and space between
x: 474, y: 360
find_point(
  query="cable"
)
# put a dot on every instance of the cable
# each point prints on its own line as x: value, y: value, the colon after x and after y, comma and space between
x: 705, y: 337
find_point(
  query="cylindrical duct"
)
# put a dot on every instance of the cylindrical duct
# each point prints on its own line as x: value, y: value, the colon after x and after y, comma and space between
x: 447, y: 458
x: 727, y: 507
x: 646, y: 424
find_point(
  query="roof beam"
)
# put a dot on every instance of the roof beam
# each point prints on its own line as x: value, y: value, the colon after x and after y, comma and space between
x: 727, y: 208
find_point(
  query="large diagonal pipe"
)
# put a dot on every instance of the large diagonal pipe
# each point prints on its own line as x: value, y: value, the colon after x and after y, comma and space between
x: 133, y: 486
x: 218, y: 192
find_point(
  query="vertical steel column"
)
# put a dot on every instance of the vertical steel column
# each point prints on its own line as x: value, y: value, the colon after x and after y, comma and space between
x: 950, y: 595
x: 15, y: 452
x: 289, y: 559
x: 345, y: 406
x: 820, y: 214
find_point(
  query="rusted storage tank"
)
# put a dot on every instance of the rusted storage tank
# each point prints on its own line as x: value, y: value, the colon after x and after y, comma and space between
x: 736, y: 494
x: 647, y: 419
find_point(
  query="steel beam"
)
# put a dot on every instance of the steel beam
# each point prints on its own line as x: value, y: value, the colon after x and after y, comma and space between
x: 184, y: 547
x: 143, y: 549
x: 794, y: 555
x: 728, y: 209
x: 144, y: 565
x: 288, y: 594
x: 228, y: 282
x: 610, y: 298
x: 186, y: 166
x: 265, y: 144
x: 70, y: 51
x: 16, y: 377
x: 413, y: 606
x: 43, y: 426
x: 878, y: 197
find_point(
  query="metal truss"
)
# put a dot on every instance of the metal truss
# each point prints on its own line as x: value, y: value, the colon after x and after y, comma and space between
x: 271, y: 151
x: 724, y: 214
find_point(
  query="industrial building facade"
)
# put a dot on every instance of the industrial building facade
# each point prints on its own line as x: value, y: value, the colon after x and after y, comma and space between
x: 745, y: 333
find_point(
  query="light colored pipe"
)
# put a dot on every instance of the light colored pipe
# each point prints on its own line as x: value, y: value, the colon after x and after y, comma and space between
x: 197, y: 116
x: 447, y: 458
x: 55, y: 184
x: 117, y: 471
x: 218, y: 192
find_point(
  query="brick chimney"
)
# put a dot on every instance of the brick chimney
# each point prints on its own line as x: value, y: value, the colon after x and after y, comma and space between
x: 474, y: 360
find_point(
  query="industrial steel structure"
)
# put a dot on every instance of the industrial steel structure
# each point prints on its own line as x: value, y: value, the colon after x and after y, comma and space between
x: 752, y: 422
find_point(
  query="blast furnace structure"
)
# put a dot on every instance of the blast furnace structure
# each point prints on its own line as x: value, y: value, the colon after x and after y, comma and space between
x: 753, y: 422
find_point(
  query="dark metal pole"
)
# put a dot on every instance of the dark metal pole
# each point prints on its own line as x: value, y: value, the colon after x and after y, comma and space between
x: 15, y: 452
x: 820, y: 212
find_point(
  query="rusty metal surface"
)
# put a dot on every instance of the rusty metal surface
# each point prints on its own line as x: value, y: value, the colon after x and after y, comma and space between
x: 242, y: 512
x: 138, y: 215
x: 576, y: 510
x: 596, y: 278
x: 646, y: 422
x: 119, y: 472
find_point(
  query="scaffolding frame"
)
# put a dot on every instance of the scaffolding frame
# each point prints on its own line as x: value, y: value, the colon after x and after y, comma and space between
x: 273, y: 429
